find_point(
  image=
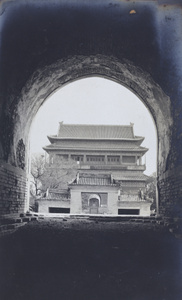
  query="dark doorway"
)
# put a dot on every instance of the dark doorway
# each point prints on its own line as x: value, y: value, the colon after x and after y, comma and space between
x: 94, y: 205
x: 59, y: 210
x: 128, y: 211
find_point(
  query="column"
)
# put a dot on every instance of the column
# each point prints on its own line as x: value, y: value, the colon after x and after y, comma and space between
x: 84, y: 159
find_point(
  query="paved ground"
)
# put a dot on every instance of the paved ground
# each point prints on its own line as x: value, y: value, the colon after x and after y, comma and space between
x: 88, y: 260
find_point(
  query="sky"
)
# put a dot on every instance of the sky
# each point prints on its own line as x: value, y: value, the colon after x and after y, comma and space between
x: 94, y: 100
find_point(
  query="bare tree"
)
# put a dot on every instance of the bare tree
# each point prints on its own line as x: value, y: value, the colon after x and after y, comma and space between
x: 59, y: 173
x: 55, y: 175
x: 37, y: 171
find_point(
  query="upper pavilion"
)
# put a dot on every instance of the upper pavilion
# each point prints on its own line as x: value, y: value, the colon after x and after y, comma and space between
x: 88, y: 143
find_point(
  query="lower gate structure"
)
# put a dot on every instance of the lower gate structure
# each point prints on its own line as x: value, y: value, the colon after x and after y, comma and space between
x: 110, y: 161
x: 102, y: 197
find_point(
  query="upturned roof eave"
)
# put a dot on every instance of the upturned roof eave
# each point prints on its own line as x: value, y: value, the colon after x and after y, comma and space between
x: 56, y: 138
x: 52, y: 148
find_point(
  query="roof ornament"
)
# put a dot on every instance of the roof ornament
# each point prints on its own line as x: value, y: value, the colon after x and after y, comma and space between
x: 60, y: 123
x: 132, y: 124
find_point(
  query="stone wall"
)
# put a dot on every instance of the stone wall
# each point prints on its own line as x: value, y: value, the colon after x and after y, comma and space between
x: 113, y: 202
x: 45, y: 204
x: 170, y: 193
x: 76, y: 202
x: 13, y: 190
x: 142, y: 206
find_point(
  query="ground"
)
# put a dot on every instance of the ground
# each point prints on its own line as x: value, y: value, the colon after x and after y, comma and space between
x: 90, y: 260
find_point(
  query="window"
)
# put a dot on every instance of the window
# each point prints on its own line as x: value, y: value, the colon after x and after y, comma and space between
x: 113, y: 159
x: 95, y: 159
x: 77, y: 157
x: 128, y: 159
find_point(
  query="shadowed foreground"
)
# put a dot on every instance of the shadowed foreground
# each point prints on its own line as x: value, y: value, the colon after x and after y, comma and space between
x: 88, y: 260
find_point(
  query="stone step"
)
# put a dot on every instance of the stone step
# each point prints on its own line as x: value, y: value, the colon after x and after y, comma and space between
x: 9, y: 225
x: 138, y: 219
x: 5, y: 221
x: 29, y: 219
x: 10, y: 221
x: 9, y: 228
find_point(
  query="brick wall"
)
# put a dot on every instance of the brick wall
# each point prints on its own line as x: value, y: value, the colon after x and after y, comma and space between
x: 170, y: 193
x: 13, y: 190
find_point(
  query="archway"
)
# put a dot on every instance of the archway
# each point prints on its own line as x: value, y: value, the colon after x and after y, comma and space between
x: 46, y: 45
x: 94, y: 200
x: 47, y: 80
x: 99, y: 101
x: 93, y: 203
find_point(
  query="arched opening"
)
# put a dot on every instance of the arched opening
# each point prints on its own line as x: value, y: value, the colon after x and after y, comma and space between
x: 96, y: 100
x: 94, y: 203
x: 48, y: 80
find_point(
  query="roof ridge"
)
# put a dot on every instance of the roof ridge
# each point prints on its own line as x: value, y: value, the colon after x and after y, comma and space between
x: 106, y: 125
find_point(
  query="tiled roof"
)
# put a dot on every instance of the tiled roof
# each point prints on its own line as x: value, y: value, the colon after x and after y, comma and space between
x: 62, y: 194
x: 62, y: 191
x: 139, y: 177
x: 94, y: 181
x: 95, y: 131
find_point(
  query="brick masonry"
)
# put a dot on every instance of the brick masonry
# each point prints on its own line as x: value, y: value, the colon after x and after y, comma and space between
x: 13, y: 189
x: 170, y: 193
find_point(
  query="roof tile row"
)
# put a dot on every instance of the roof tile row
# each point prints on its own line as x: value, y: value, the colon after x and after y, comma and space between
x: 95, y: 131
